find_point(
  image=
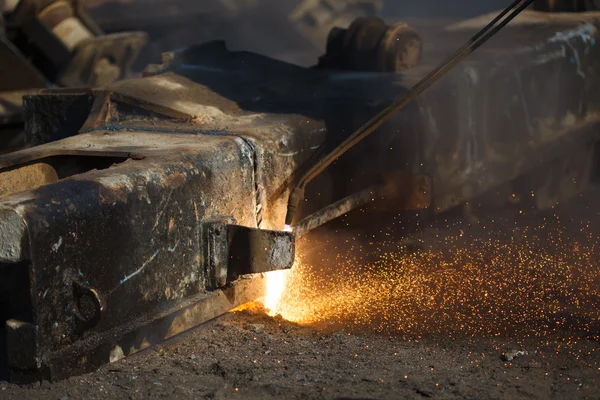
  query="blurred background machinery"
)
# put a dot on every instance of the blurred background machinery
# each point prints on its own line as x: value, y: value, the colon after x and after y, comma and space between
x: 294, y: 31
x: 54, y: 43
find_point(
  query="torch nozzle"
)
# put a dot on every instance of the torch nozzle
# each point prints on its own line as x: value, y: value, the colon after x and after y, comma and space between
x: 295, y: 197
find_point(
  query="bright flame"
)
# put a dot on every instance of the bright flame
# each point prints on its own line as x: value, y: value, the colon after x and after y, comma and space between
x: 275, y: 285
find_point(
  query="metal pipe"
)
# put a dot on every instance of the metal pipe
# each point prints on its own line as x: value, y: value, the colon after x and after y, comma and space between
x: 335, y: 210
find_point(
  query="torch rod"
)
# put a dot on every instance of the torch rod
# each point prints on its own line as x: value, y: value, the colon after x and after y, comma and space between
x: 335, y: 210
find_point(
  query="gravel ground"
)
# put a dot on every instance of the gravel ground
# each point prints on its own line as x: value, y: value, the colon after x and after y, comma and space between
x: 248, y: 355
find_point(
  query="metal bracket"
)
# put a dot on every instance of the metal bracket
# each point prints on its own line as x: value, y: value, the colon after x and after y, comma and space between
x: 233, y: 250
x: 216, y: 251
x: 254, y: 251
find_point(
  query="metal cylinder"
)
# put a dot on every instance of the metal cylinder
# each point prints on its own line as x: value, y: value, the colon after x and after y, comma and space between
x: 60, y: 18
x: 370, y: 45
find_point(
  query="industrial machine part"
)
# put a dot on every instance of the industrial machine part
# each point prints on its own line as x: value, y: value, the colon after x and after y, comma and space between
x: 369, y: 45
x: 565, y: 5
x: 59, y: 40
x: 315, y: 18
x: 169, y: 191
x: 35, y: 56
x: 293, y: 30
x: 54, y: 43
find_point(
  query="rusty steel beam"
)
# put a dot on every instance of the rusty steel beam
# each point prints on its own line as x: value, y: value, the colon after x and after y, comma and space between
x: 118, y: 243
x: 128, y: 339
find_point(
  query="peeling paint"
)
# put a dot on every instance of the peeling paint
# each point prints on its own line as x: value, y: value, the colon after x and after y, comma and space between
x: 584, y: 32
x: 172, y: 249
x: 148, y: 261
x: 164, y: 207
x: 57, y: 245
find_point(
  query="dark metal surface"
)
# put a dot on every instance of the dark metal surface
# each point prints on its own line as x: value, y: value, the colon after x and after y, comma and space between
x: 55, y: 115
x: 458, y: 131
x: 15, y: 71
x: 565, y: 5
x: 257, y: 250
x: 232, y: 251
x: 131, y: 234
x: 139, y: 334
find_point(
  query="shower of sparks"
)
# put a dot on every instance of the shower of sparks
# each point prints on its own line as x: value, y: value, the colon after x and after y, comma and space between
x: 536, y: 280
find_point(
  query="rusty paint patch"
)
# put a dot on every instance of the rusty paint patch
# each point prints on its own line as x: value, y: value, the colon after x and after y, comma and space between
x: 176, y: 180
x: 57, y: 245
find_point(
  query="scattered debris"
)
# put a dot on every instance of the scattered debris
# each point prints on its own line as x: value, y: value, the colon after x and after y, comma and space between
x: 217, y: 369
x: 424, y: 393
x: 256, y: 328
x: 512, y: 354
x: 371, y: 378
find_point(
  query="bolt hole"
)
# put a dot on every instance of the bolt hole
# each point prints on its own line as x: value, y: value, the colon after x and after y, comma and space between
x: 87, y: 307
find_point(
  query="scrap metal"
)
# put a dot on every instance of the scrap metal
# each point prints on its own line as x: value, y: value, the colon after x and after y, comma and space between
x: 169, y: 191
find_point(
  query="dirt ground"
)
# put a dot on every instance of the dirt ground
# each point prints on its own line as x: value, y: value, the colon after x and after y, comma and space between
x: 249, y: 355
x: 252, y: 356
